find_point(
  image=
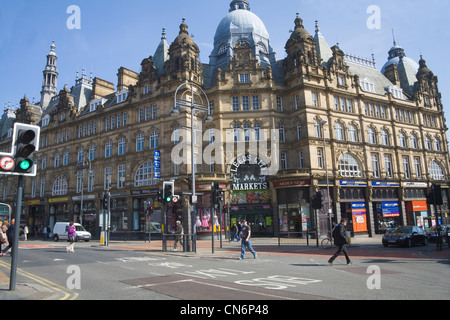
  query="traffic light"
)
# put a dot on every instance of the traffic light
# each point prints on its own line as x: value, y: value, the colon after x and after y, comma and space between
x: 105, y: 201
x: 436, y: 195
x: 25, y: 141
x: 213, y: 194
x: 316, y: 201
x: 159, y: 197
x: 219, y: 193
x: 168, y: 191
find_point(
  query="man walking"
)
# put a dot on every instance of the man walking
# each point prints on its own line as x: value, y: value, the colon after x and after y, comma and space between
x: 246, y: 242
x: 341, y: 241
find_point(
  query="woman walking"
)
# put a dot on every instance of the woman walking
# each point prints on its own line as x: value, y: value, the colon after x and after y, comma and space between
x: 72, y: 235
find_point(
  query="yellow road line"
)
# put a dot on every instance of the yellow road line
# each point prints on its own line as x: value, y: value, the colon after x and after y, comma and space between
x: 44, y: 282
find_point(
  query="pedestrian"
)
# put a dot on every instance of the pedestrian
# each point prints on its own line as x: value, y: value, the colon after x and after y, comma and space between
x: 3, y: 238
x: 72, y: 234
x: 10, y: 235
x: 178, y: 235
x: 234, y: 233
x: 341, y: 241
x: 25, y: 232
x: 383, y: 227
x: 246, y: 241
x: 45, y: 232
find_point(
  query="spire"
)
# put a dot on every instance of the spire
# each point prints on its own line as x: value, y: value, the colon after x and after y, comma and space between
x: 161, y: 54
x: 49, y: 85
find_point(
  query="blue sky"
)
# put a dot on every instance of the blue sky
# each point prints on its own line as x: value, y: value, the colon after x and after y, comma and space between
x: 122, y: 33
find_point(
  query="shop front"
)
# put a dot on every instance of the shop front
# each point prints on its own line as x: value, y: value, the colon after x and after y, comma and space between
x: 386, y: 208
x: 88, y: 216
x: 136, y: 220
x: 294, y: 209
x: 417, y: 213
x: 254, y: 207
x: 37, y: 219
x: 59, y: 211
x: 353, y: 206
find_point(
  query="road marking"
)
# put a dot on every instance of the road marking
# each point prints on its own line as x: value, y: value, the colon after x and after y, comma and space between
x: 46, y: 283
x: 137, y: 259
x: 236, y: 289
x: 157, y: 284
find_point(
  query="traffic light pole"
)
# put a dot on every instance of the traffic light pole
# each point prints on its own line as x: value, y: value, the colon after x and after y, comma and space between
x: 15, y: 248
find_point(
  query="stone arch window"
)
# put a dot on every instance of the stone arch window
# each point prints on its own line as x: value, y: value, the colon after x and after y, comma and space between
x: 436, y: 171
x: 222, y: 50
x: 144, y: 175
x: 349, y: 166
x: 339, y: 131
x: 60, y: 187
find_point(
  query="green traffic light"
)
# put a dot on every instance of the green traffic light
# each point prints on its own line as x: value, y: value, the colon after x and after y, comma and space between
x: 168, y: 199
x: 25, y: 164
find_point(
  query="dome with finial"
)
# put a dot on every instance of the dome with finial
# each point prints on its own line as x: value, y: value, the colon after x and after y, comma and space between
x: 424, y: 71
x: 240, y: 20
x: 241, y: 24
x: 397, y: 55
x: 183, y: 37
x: 299, y: 33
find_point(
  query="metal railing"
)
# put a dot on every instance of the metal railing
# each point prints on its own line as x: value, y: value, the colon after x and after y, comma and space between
x: 179, y: 243
x: 298, y: 238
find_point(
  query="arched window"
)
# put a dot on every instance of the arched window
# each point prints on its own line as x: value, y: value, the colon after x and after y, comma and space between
x: 437, y: 144
x: 384, y: 137
x: 402, y: 138
x: 414, y: 143
x: 349, y: 166
x: 352, y: 133
x: 60, y: 187
x: 144, y: 175
x: 222, y: 49
x: 140, y: 143
x: 436, y: 171
x: 154, y: 140
x: 427, y: 143
x: 372, y: 136
x: 108, y: 149
x: 121, y: 147
x: 339, y: 131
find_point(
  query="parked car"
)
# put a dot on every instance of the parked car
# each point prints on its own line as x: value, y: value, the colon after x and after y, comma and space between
x: 405, y: 236
x: 432, y: 234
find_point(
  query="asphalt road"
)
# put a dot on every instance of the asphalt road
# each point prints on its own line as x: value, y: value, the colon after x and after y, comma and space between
x: 282, y: 274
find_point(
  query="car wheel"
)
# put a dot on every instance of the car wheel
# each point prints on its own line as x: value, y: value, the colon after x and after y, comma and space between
x: 385, y: 244
x: 55, y: 238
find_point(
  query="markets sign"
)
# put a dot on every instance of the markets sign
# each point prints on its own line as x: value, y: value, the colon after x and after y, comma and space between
x: 248, y: 173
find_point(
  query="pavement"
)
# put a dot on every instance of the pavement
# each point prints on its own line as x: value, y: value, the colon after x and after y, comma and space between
x: 36, y: 288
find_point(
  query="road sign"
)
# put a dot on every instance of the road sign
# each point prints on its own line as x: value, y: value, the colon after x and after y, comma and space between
x: 7, y: 163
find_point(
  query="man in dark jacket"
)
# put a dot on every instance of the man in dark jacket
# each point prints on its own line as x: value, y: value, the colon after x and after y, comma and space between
x: 341, y: 241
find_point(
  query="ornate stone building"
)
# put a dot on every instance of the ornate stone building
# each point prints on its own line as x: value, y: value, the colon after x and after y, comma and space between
x: 375, y: 141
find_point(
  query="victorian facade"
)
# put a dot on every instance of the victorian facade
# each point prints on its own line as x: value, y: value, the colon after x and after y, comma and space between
x: 372, y: 142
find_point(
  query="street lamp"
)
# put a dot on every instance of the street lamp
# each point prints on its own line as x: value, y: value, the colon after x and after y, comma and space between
x: 193, y: 106
x: 330, y: 210
x: 82, y: 168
